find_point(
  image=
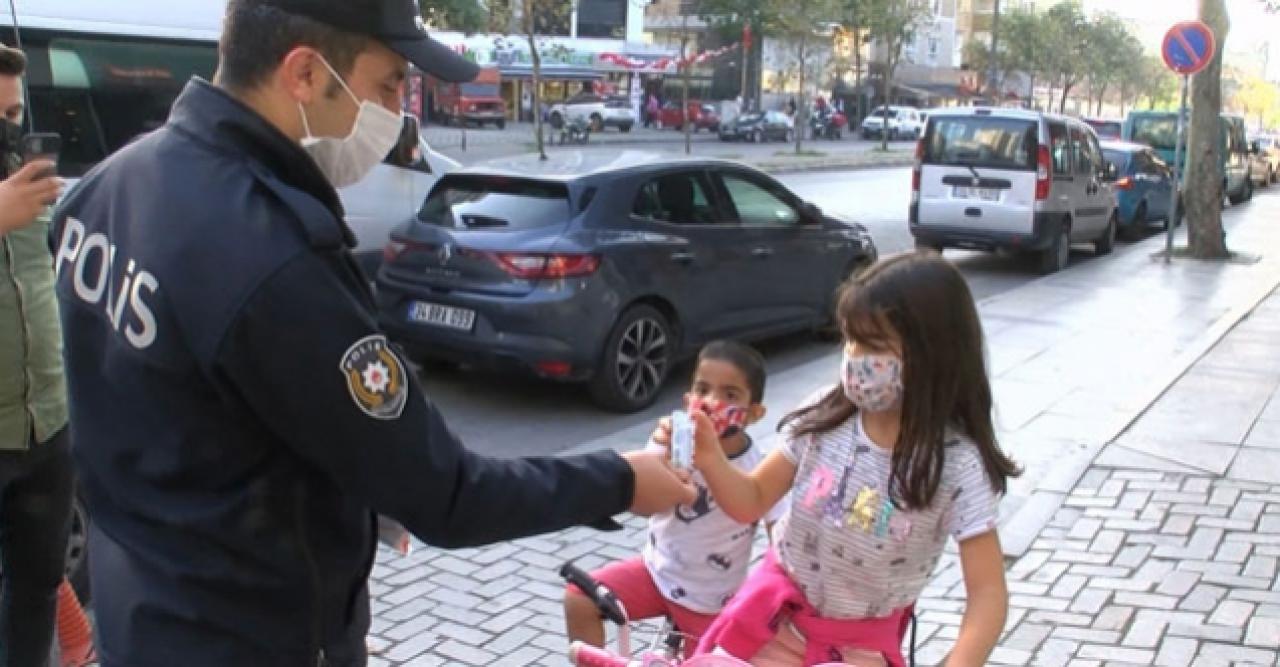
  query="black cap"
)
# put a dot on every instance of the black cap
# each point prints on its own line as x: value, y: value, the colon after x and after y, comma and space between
x: 396, y: 23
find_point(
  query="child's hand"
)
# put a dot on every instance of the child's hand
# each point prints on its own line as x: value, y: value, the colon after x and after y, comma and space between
x: 706, y: 442
x: 662, y: 433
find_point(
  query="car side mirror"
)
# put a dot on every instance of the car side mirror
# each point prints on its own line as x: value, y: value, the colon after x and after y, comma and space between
x: 1109, y: 172
x: 407, y: 152
x: 811, y: 214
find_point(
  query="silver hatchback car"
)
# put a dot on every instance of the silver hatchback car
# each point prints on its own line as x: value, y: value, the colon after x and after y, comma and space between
x: 991, y: 179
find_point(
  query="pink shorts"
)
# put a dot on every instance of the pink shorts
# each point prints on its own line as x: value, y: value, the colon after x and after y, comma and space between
x: 631, y: 582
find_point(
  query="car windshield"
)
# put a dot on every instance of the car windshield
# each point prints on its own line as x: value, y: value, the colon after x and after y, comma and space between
x: 480, y: 89
x: 879, y: 113
x: 981, y: 141
x: 1159, y: 132
x: 494, y: 203
x: 750, y: 118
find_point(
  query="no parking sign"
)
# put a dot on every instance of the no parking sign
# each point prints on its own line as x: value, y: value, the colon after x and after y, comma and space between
x: 1188, y: 47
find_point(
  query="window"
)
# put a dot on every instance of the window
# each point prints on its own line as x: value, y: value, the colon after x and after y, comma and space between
x: 982, y: 141
x: 495, y: 204
x: 1085, y: 164
x: 602, y: 18
x: 758, y: 206
x: 675, y: 198
x: 101, y: 94
x: 1158, y: 132
x: 1060, y: 150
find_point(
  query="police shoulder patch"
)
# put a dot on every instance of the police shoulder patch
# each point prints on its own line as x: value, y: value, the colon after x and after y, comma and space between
x: 375, y: 377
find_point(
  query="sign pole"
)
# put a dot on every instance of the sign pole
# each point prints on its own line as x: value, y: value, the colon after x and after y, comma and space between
x: 1177, y: 173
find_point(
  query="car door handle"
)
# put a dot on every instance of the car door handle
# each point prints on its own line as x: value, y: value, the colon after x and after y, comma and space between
x: 683, y: 257
x: 762, y: 252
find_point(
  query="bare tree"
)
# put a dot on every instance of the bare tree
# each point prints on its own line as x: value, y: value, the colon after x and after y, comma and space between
x: 1203, y: 191
x: 797, y: 22
x: 893, y: 23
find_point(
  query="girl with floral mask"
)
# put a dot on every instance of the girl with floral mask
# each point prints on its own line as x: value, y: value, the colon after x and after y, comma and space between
x: 881, y: 470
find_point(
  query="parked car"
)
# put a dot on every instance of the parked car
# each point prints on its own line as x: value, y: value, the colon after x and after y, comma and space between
x: 602, y: 111
x: 475, y: 102
x: 608, y: 269
x: 758, y: 127
x: 1107, y: 129
x: 702, y: 115
x: 1266, y: 160
x: 1144, y: 187
x: 1158, y: 129
x: 992, y: 179
x: 902, y: 123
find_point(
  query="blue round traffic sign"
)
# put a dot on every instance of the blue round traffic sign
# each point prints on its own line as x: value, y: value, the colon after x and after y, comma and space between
x: 1188, y: 47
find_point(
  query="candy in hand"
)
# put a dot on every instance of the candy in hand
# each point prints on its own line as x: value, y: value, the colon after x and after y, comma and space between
x: 682, y: 430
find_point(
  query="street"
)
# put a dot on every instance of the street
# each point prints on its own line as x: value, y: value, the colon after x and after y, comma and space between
x: 505, y: 415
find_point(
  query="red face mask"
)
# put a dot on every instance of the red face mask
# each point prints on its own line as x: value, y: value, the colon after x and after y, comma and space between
x: 728, y: 420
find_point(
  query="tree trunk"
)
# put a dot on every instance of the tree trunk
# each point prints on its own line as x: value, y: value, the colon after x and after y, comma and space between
x: 1102, y: 95
x: 857, y: 75
x: 535, y: 60
x: 686, y: 124
x: 887, y: 85
x: 1066, y: 92
x: 1204, y: 181
x: 799, y: 121
x: 1031, y: 90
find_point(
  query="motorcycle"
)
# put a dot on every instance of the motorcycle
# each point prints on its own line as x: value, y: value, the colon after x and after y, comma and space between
x: 828, y: 125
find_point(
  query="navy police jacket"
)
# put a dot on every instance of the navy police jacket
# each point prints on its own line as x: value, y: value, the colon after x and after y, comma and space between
x: 237, y: 416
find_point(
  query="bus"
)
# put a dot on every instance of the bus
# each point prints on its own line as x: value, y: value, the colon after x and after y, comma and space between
x: 1159, y: 130
x: 101, y: 74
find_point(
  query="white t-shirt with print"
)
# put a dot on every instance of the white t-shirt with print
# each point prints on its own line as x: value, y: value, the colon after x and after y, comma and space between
x: 697, y: 555
x: 852, y: 552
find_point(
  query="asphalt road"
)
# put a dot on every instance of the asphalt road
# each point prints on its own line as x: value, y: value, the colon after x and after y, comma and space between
x: 510, y: 415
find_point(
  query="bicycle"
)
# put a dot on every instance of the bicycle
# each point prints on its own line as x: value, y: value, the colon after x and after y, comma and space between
x: 670, y: 638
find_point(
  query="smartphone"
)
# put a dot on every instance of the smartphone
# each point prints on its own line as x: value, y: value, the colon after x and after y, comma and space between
x: 42, y: 146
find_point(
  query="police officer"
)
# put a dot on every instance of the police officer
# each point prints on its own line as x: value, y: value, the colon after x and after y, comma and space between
x: 238, y: 418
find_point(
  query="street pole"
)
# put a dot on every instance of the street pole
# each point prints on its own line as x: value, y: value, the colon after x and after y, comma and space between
x: 742, y: 92
x: 1177, y: 173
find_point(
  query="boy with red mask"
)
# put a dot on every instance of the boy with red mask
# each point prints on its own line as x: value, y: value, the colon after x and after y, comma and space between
x: 696, y: 556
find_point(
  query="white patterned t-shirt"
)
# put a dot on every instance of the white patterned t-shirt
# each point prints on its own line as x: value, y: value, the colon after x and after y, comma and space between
x: 852, y: 552
x: 697, y: 554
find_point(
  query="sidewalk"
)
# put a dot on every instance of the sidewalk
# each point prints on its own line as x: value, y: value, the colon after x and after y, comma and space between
x: 1165, y: 553
x: 477, y: 145
x: 1145, y: 530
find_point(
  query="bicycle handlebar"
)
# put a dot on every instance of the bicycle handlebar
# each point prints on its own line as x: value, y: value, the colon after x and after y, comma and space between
x: 603, y: 598
x: 584, y: 655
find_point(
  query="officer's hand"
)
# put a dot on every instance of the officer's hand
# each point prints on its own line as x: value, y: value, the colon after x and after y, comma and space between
x: 26, y: 193
x: 658, y: 486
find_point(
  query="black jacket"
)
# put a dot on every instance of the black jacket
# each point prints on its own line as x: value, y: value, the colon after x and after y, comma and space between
x: 237, y: 416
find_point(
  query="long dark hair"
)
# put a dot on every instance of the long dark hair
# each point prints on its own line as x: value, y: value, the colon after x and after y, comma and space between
x: 921, y: 300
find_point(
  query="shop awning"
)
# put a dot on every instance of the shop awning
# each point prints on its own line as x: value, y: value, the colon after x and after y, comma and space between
x: 551, y: 73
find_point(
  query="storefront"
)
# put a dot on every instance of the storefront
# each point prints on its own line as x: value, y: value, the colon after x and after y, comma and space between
x: 568, y: 66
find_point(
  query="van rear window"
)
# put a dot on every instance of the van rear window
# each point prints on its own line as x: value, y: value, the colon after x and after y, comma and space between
x: 495, y: 203
x: 981, y: 141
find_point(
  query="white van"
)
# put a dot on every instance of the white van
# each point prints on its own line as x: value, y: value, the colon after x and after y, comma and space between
x: 102, y: 73
x: 1011, y: 179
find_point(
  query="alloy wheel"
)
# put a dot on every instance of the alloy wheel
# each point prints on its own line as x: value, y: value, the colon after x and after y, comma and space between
x: 642, y: 359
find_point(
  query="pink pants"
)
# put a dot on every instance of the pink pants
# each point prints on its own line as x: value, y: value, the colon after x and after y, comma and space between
x: 787, y: 650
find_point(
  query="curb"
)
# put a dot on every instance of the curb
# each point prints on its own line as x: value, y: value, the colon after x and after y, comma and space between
x: 1025, y: 523
x: 834, y: 164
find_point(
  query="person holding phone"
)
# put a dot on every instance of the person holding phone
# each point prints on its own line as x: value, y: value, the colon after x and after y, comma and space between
x: 35, y: 463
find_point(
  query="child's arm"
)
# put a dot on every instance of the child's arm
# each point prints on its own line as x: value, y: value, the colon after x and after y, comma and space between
x: 745, y: 497
x: 987, y: 600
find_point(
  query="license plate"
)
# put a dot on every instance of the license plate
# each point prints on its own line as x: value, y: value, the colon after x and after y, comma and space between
x: 437, y: 315
x: 985, y: 194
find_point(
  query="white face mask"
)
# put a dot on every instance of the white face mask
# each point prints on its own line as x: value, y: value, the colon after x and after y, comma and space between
x: 346, y: 160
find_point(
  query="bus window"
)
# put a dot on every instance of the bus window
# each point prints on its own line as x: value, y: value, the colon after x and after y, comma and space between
x: 100, y: 94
